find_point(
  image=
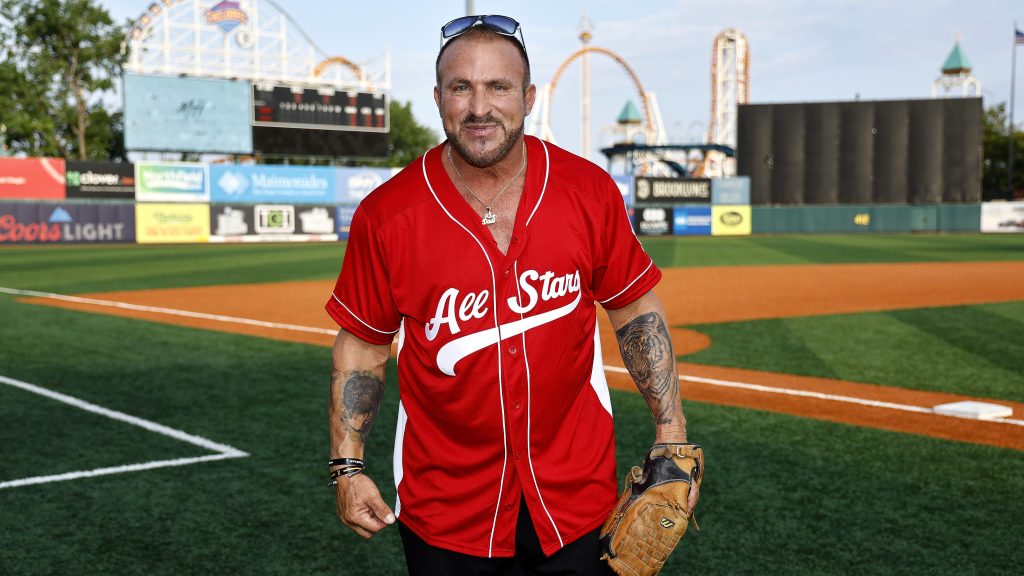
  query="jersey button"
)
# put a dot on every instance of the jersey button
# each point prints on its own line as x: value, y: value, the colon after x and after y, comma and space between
x: 517, y: 455
x: 508, y: 507
x: 512, y: 349
x: 517, y: 405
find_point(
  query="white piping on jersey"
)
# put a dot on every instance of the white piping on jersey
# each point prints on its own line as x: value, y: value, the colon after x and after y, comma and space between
x: 361, y: 321
x: 544, y: 188
x: 450, y: 354
x: 597, y: 378
x: 399, y: 471
x: 529, y: 416
x: 501, y: 393
x: 628, y: 285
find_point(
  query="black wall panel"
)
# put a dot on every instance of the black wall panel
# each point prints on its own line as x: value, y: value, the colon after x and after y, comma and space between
x: 925, y: 152
x: 788, y: 169
x: 961, y: 152
x: 857, y: 152
x: 754, y: 138
x: 892, y: 133
x: 821, y: 180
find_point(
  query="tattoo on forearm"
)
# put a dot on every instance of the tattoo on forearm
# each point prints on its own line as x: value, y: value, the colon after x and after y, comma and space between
x: 361, y: 397
x: 647, y: 352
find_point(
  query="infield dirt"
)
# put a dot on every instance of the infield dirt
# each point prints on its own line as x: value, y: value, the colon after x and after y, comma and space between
x: 698, y: 295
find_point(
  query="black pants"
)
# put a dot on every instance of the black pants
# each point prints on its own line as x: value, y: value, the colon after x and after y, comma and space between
x: 579, y: 558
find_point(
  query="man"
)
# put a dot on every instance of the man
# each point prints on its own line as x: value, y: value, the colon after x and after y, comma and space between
x: 485, y: 257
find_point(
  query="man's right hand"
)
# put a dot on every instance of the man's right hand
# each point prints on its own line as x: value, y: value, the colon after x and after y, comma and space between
x: 360, y: 506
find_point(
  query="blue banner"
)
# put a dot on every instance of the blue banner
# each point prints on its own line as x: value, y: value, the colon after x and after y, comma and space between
x: 272, y: 184
x: 354, y: 184
x: 344, y: 221
x: 691, y: 221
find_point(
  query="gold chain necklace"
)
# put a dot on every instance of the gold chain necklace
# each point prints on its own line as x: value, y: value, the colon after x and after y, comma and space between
x: 489, y: 218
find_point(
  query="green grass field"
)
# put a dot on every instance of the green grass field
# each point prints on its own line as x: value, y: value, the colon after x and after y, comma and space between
x: 783, y: 495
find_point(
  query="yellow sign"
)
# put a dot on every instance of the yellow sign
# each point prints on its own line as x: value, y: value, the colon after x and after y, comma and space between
x: 172, y: 223
x: 862, y: 219
x: 730, y: 220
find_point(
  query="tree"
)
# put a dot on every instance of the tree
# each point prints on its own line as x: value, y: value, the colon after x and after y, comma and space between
x: 408, y: 139
x: 995, y: 143
x: 57, y: 60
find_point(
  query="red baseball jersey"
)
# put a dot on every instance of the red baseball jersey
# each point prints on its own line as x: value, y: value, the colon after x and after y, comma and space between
x: 502, y: 390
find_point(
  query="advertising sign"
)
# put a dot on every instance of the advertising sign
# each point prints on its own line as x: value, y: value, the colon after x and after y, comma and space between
x: 32, y: 178
x: 66, y: 223
x: 172, y: 223
x: 656, y: 190
x: 100, y: 180
x: 691, y: 221
x: 653, y: 220
x: 272, y: 223
x: 171, y: 182
x: 1005, y: 217
x: 625, y: 184
x: 734, y: 191
x: 344, y: 220
x: 354, y: 184
x: 264, y: 183
x: 730, y: 220
x: 171, y: 113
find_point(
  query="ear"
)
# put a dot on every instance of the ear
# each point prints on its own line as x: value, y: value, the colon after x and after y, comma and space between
x: 531, y: 97
x: 437, y: 98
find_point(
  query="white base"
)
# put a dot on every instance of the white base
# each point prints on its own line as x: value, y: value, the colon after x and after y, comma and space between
x: 975, y: 410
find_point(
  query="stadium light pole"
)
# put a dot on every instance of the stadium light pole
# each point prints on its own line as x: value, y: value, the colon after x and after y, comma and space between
x: 469, y: 8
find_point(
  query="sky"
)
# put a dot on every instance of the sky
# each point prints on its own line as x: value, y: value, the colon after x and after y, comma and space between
x: 801, y: 50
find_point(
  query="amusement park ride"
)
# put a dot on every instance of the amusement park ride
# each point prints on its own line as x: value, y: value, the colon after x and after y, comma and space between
x: 246, y: 40
x: 303, y: 87
x: 641, y: 144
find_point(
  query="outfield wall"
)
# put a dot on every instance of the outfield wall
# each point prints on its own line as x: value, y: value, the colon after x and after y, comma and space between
x: 868, y: 218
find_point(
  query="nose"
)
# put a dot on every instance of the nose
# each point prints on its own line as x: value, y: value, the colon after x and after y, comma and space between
x: 479, y: 104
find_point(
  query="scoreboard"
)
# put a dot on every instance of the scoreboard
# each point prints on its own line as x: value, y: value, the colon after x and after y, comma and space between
x: 304, y: 121
x: 323, y: 109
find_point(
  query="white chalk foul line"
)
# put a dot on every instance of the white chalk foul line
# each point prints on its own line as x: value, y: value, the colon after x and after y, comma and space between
x: 168, y: 311
x: 823, y: 396
x: 608, y: 368
x: 221, y: 451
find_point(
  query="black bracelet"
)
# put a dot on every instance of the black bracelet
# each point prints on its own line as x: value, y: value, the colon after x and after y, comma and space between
x: 345, y: 462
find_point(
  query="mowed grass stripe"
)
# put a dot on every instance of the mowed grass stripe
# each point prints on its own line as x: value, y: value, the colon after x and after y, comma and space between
x: 990, y: 336
x: 960, y: 349
x: 782, y: 494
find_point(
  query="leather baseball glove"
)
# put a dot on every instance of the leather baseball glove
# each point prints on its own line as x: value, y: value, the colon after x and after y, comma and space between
x: 652, y: 514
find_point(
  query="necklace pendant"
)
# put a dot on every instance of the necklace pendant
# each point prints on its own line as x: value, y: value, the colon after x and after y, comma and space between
x: 489, y: 218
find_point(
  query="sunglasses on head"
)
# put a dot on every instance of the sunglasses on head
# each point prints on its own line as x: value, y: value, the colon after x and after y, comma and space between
x: 501, y: 24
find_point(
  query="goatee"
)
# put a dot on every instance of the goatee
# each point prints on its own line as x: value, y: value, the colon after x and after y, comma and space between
x: 484, y: 160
